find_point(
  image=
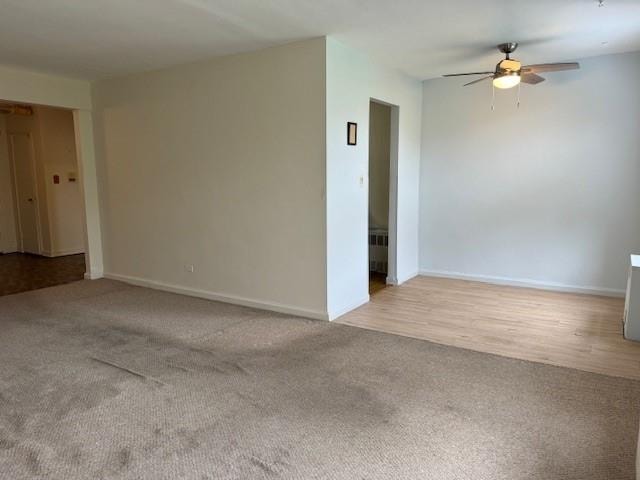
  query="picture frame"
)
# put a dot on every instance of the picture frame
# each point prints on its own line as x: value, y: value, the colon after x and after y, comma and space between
x: 352, y: 133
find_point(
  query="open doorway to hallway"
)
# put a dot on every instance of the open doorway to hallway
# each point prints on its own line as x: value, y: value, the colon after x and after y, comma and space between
x: 42, y: 228
x: 380, y: 148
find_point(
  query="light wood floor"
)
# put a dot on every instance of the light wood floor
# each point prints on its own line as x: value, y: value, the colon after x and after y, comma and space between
x: 566, y: 329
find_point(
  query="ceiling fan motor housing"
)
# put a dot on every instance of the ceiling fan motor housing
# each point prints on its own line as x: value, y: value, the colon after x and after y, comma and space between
x: 508, y: 67
x: 508, y: 48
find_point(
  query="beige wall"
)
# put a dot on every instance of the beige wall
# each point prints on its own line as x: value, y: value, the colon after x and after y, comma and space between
x: 31, y: 125
x: 219, y: 165
x: 24, y: 86
x: 379, y: 160
x: 8, y: 240
x: 64, y: 200
x: 60, y: 205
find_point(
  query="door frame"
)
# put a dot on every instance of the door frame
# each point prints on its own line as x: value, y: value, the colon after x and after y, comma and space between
x: 394, y: 135
x: 53, y: 91
x: 87, y: 175
x: 38, y: 218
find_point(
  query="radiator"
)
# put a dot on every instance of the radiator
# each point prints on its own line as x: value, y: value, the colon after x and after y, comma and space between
x: 378, y: 250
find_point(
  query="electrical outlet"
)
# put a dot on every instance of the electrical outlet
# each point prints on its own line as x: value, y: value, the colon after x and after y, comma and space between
x: 188, y: 268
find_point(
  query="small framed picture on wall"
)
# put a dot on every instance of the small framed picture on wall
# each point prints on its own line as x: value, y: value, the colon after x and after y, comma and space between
x: 352, y: 133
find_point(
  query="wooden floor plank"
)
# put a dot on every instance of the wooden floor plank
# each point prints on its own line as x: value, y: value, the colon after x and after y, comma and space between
x: 565, y: 329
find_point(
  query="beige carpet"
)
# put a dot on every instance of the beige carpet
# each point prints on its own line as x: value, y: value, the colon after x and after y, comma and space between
x: 99, y: 380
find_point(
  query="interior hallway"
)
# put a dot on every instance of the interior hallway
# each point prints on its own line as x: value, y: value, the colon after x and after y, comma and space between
x: 21, y: 272
x: 564, y: 329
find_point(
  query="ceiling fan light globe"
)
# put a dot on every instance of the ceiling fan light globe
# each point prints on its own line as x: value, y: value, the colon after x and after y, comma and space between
x: 506, y: 81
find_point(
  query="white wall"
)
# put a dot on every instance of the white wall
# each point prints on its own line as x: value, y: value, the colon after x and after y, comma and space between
x: 8, y: 240
x: 352, y: 80
x: 548, y: 194
x: 379, y: 160
x: 219, y: 165
x: 223, y: 165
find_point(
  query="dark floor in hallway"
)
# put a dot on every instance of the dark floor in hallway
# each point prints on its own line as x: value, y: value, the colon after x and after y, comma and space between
x: 377, y: 282
x: 20, y: 272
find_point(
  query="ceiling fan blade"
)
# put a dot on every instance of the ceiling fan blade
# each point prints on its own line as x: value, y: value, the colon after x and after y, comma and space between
x: 531, y: 78
x: 550, y: 67
x: 461, y: 74
x: 478, y: 80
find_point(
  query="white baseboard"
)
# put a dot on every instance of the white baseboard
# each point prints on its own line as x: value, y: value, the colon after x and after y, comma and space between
x: 62, y: 253
x: 220, y: 297
x: 338, y: 313
x: 523, y: 282
x: 401, y: 280
x: 93, y: 275
x: 406, y: 278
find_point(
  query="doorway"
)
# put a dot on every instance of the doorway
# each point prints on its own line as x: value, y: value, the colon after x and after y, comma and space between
x: 42, y: 222
x: 22, y: 159
x: 383, y: 148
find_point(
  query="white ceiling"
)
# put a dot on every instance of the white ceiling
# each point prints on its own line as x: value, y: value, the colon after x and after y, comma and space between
x: 425, y: 38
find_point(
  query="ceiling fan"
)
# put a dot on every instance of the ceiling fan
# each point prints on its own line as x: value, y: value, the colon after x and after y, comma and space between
x: 510, y: 72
